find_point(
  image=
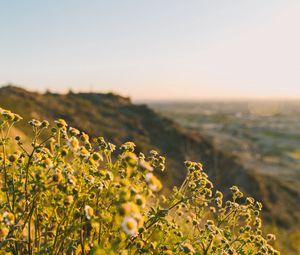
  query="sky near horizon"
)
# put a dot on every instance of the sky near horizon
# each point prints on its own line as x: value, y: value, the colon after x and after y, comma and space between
x: 153, y: 50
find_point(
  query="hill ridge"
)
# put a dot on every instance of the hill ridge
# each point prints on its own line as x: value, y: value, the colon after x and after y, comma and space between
x: 119, y: 120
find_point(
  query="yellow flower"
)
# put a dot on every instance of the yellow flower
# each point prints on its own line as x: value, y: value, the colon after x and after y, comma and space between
x: 83, y: 152
x: 69, y: 200
x: 187, y: 248
x: 48, y: 163
x: 125, y: 209
x: 130, y: 209
x: 60, y: 123
x: 89, y: 212
x: 3, y: 233
x: 140, y: 200
x: 35, y: 123
x: 145, y: 165
x: 73, y: 143
x: 57, y: 177
x: 89, y: 178
x: 131, y: 158
x: 153, y: 183
x: 74, y: 131
x: 84, y: 137
x: 72, y: 180
x: 8, y: 218
x: 130, y: 226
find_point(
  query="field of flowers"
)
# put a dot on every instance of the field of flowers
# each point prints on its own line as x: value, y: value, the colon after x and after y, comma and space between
x: 65, y: 193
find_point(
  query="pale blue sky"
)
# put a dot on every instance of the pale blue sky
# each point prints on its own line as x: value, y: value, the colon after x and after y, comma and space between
x: 164, y: 49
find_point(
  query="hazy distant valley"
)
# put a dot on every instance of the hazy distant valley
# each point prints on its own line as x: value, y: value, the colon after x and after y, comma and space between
x: 264, y: 136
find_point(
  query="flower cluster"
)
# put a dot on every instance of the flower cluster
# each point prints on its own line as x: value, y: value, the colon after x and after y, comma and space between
x: 67, y: 193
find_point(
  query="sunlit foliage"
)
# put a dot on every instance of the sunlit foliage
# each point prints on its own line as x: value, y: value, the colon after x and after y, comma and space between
x: 69, y: 194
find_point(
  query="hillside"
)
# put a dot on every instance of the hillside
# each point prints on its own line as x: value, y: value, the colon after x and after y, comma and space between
x: 119, y: 120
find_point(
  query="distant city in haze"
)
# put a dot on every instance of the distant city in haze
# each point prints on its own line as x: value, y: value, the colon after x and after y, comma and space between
x: 154, y: 50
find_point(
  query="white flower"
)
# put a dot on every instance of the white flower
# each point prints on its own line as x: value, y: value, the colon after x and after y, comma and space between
x: 35, y: 123
x: 153, y: 183
x: 130, y: 226
x: 89, y: 179
x: 89, y: 212
x: 148, y: 177
x: 74, y: 131
x: 145, y: 165
x: 71, y: 180
x: 73, y: 143
x: 8, y: 218
x: 48, y: 163
x: 68, y: 169
x: 100, y: 186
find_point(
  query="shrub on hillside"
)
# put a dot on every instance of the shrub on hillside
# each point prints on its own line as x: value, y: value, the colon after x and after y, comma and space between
x: 70, y: 195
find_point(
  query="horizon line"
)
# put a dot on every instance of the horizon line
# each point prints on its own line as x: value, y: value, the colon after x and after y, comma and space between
x: 157, y: 100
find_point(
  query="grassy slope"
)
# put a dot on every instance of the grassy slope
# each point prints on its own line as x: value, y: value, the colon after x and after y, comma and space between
x: 119, y: 120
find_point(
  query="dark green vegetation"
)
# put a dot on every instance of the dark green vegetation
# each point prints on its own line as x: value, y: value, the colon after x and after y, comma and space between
x: 119, y: 120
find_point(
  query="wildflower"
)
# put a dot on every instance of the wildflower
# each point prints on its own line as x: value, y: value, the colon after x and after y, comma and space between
x: 134, y: 211
x: 187, y: 248
x: 153, y: 183
x: 89, y: 212
x: 153, y: 153
x: 130, y: 226
x: 234, y: 189
x: 7, y: 114
x: 3, y: 233
x: 140, y: 200
x: 35, y: 123
x: 84, y: 137
x: 130, y: 209
x: 128, y: 146
x: 271, y: 237
x: 64, y: 152
x: 8, y: 218
x: 89, y: 178
x: 13, y: 157
x: 125, y: 209
x: 130, y: 158
x: 100, y: 186
x: 162, y: 167
x: 61, y: 123
x: 250, y: 200
x: 68, y: 200
x: 72, y: 180
x: 112, y: 147
x: 45, y: 124
x: 48, y: 163
x: 96, y: 156
x: 109, y: 176
x: 73, y: 143
x: 83, y: 152
x: 57, y: 177
x: 219, y: 194
x: 145, y: 165
x: 74, y: 131
x: 68, y: 169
